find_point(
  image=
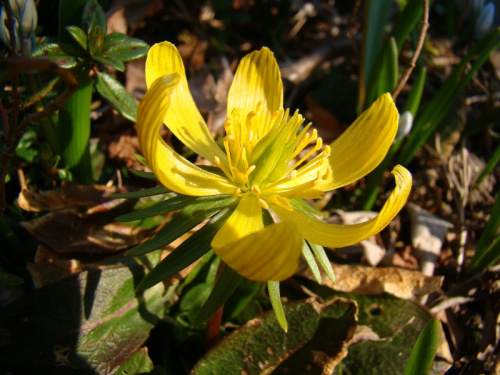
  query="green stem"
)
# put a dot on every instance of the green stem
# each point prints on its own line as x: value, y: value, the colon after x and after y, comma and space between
x: 74, y: 130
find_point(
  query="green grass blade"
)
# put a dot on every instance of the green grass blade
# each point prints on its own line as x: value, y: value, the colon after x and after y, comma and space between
x: 488, y: 247
x: 225, y: 286
x: 322, y: 258
x: 375, y: 20
x: 407, y: 21
x: 311, y: 262
x: 157, y: 190
x: 274, y: 295
x: 160, y: 208
x: 184, y: 221
x: 142, y: 174
x: 413, y: 101
x: 436, y: 110
x: 494, y: 160
x: 188, y: 252
x: 423, y: 352
x: 387, y: 69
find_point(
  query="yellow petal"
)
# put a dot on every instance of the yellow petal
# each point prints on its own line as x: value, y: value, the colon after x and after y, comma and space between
x: 334, y: 235
x: 364, y: 144
x: 246, y: 219
x: 257, y: 80
x: 171, y: 169
x: 256, y: 252
x: 183, y: 119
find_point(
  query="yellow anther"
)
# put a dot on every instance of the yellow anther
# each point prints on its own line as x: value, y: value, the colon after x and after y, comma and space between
x: 314, y: 134
x: 256, y: 190
x: 282, y: 202
x: 263, y: 204
x: 327, y: 151
x: 249, y: 170
x: 319, y: 143
x: 292, y: 174
x: 236, y: 193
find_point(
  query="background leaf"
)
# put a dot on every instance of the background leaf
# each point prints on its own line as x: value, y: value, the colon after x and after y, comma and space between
x: 54, y: 53
x: 128, y: 49
x: 314, y: 328
x: 96, y: 322
x: 117, y: 95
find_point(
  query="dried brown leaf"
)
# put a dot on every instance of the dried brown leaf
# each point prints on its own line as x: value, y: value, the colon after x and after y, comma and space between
x: 399, y: 282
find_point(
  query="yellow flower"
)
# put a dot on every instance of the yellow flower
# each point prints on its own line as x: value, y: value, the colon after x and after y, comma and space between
x: 263, y: 162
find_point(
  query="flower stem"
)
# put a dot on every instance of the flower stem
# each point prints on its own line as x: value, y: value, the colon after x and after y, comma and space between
x: 212, y: 330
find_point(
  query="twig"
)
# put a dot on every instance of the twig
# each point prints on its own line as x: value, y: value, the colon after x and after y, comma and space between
x: 420, y: 44
x: 14, y: 131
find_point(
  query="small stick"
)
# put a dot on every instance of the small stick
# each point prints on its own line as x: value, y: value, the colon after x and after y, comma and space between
x: 420, y: 44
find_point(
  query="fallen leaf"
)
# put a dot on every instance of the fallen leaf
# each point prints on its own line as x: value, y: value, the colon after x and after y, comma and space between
x: 315, y: 343
x: 362, y: 280
x: 81, y: 220
x: 69, y: 195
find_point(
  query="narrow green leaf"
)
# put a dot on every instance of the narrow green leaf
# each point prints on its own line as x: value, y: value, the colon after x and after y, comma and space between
x: 274, y: 295
x: 197, y: 245
x: 184, y: 221
x: 413, y: 101
x: 322, y: 259
x: 112, y: 39
x: 142, y: 174
x: 407, y: 21
x: 160, y: 208
x: 227, y: 283
x: 54, y: 52
x: 387, y: 70
x: 311, y: 262
x: 375, y: 20
x: 93, y: 16
x: 435, y: 111
x: 141, y: 159
x: 494, y: 161
x: 424, y: 350
x: 128, y: 49
x: 78, y: 35
x: 43, y: 92
x: 487, y: 249
x: 117, y: 95
x: 157, y: 190
x: 485, y: 259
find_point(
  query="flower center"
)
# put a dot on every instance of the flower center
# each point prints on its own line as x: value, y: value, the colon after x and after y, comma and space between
x: 264, y: 157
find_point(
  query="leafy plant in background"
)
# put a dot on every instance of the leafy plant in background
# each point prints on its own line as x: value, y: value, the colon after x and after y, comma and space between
x: 384, y: 60
x: 17, y: 32
x: 85, y: 47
